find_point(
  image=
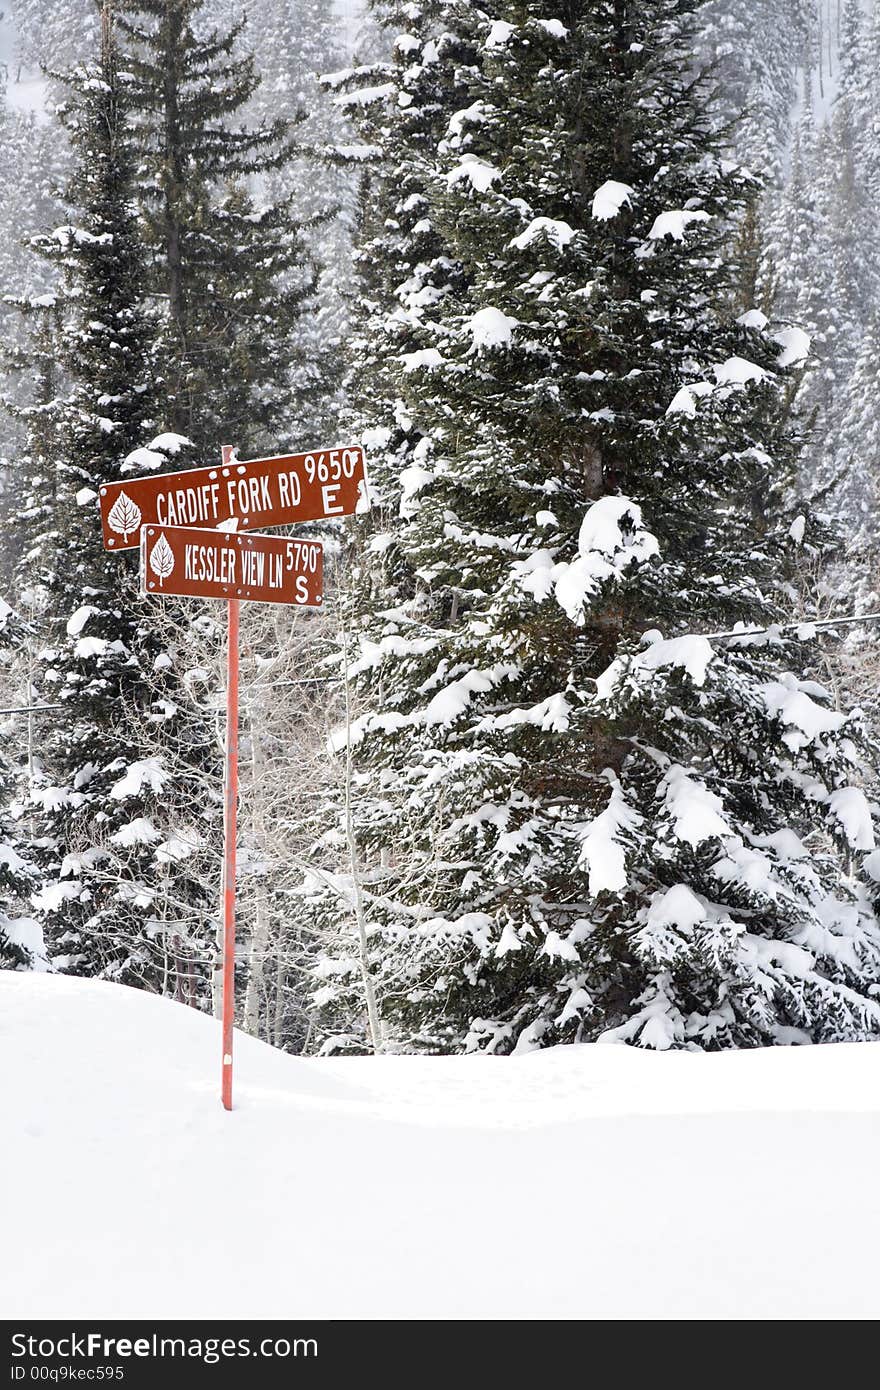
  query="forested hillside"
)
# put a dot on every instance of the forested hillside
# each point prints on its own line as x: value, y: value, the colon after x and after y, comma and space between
x: 572, y: 750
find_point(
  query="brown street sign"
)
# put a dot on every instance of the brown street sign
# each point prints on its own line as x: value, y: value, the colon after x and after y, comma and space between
x: 190, y: 561
x: 246, y: 496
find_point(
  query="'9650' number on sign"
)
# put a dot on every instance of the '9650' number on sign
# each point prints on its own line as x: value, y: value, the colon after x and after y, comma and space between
x: 331, y: 467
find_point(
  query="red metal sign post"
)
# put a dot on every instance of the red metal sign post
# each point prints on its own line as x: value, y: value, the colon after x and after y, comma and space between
x: 230, y: 830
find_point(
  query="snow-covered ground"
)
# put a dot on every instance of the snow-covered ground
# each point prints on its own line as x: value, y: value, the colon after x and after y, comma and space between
x: 590, y: 1182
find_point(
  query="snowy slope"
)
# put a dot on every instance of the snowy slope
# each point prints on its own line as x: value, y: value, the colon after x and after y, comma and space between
x: 577, y: 1182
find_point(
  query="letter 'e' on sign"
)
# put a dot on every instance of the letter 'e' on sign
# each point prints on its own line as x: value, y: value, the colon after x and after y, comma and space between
x: 192, y: 562
x: 238, y: 496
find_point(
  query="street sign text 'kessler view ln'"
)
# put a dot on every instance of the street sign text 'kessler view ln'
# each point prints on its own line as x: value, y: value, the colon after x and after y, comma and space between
x: 249, y: 496
x: 188, y: 562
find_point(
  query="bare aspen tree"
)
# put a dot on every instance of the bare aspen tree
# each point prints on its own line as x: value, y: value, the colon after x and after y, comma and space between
x: 375, y: 1024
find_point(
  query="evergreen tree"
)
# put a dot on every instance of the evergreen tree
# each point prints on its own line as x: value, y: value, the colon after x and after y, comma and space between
x: 824, y: 248
x: 857, y: 452
x: 405, y: 265
x: 805, y: 276
x: 234, y: 276
x: 757, y: 51
x: 32, y: 160
x: 851, y: 215
x: 57, y: 33
x: 100, y: 784
x: 572, y: 826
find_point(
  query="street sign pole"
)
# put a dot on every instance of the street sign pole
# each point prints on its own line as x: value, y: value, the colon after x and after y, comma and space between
x: 230, y: 822
x: 229, y: 836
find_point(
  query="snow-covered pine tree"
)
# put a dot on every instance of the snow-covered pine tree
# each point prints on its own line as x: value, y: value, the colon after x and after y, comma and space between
x: 757, y: 51
x: 851, y: 214
x: 57, y: 33
x: 577, y: 819
x: 96, y: 788
x: 31, y: 372
x: 234, y: 275
x: 400, y: 104
x: 803, y: 268
x: 20, y: 939
x: 32, y: 164
x: 824, y: 245
x: 871, y: 58
x: 857, y: 451
x: 293, y: 42
x: 401, y: 109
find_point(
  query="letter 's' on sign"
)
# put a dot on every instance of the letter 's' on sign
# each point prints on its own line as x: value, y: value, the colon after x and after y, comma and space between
x: 237, y: 496
x: 189, y: 561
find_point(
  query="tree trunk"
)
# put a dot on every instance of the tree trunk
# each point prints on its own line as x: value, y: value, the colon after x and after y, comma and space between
x: 373, y: 1019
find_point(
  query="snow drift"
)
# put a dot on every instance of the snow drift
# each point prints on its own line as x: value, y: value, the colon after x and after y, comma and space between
x: 580, y: 1182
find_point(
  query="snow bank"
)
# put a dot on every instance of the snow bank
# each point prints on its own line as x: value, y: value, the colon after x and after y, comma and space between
x: 418, y: 1187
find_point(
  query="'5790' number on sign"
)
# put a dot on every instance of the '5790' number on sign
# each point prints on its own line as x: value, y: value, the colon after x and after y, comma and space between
x: 303, y: 557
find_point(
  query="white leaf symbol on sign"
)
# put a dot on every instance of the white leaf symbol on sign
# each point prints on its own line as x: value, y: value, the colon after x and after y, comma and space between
x: 125, y: 515
x: 161, y: 559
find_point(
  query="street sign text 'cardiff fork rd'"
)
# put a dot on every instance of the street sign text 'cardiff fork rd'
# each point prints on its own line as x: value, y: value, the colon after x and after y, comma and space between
x: 247, y: 496
x: 188, y: 561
